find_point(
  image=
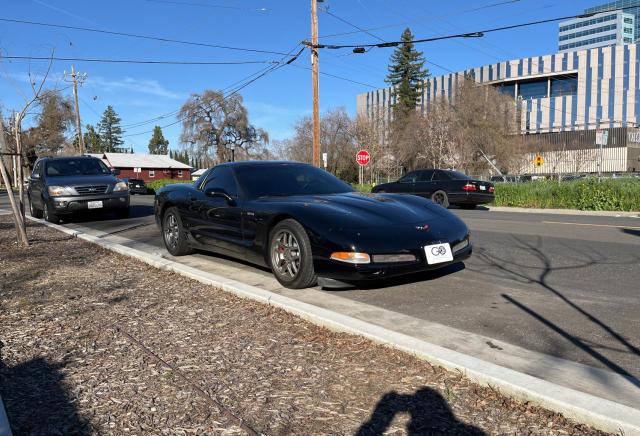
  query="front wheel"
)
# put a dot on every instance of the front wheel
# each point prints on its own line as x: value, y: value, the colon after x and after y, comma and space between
x: 290, y: 255
x: 49, y: 215
x: 441, y: 198
x: 35, y: 212
x: 174, y: 233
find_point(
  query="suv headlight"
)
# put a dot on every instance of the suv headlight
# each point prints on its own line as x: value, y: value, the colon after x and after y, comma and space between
x: 59, y: 191
x: 120, y: 186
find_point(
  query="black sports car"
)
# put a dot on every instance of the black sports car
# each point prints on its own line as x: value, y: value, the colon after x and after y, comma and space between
x: 307, y: 225
x: 444, y: 187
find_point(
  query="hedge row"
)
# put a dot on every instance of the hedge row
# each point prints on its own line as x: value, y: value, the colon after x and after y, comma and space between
x: 585, y: 194
x: 154, y: 185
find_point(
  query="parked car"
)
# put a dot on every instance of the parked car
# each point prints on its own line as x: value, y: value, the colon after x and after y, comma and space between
x: 136, y: 186
x: 307, y: 225
x: 444, y: 187
x: 60, y: 186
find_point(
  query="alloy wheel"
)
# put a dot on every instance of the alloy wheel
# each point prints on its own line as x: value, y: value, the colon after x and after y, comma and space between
x: 171, y: 231
x: 285, y: 255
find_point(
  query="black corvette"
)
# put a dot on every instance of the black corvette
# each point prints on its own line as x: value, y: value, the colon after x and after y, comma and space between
x: 307, y: 225
x: 444, y: 187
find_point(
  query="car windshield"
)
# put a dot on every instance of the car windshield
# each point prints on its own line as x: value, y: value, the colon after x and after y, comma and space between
x: 288, y: 179
x: 457, y: 175
x: 76, y: 167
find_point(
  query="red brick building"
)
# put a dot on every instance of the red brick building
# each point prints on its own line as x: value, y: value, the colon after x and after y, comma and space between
x: 147, y: 167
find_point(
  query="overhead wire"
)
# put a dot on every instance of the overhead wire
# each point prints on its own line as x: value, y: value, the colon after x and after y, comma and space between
x: 132, y: 61
x: 139, y: 36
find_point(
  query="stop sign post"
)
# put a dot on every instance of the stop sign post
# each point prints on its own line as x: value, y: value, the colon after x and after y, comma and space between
x: 362, y: 159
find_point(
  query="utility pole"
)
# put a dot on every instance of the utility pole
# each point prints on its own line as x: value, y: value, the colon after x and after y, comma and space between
x: 75, y: 78
x: 314, y: 79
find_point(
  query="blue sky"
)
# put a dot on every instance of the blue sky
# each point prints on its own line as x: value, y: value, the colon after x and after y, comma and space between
x: 142, y: 92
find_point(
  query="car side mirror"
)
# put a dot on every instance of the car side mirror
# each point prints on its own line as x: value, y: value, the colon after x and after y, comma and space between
x: 34, y: 176
x: 115, y: 172
x: 218, y: 193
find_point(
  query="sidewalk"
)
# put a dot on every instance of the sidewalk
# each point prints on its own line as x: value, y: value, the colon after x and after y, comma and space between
x: 126, y: 347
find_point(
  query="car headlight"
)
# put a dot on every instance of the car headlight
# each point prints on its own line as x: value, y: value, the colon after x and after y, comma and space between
x: 120, y: 186
x: 59, y: 191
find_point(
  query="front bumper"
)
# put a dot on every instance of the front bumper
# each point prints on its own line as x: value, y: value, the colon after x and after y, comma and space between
x: 345, y: 272
x: 67, y: 205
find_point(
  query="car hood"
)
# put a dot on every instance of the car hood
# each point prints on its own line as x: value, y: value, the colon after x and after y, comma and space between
x: 106, y: 179
x: 360, y: 210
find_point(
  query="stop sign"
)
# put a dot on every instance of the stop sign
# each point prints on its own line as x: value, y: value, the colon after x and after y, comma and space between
x: 363, y: 157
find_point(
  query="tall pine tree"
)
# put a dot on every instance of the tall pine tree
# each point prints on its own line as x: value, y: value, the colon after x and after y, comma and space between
x: 92, y: 140
x: 406, y: 74
x: 110, y: 131
x: 158, y: 144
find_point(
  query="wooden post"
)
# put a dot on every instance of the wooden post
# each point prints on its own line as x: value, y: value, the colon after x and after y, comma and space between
x: 78, y: 124
x: 315, y: 80
x: 19, y: 163
x: 17, y: 216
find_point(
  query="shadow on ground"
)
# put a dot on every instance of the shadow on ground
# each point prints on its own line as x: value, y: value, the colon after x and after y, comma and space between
x: 428, y: 411
x: 539, y: 274
x: 37, y: 402
x: 632, y: 232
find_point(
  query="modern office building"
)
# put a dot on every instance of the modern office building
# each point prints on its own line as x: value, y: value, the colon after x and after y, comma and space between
x: 563, y: 98
x: 630, y: 7
x: 599, y: 30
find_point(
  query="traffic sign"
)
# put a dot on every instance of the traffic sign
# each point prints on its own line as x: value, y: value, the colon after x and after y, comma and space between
x: 538, y: 160
x: 363, y: 157
x: 602, y: 137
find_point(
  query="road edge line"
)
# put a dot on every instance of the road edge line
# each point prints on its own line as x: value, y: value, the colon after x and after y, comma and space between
x: 578, y: 406
x: 550, y: 211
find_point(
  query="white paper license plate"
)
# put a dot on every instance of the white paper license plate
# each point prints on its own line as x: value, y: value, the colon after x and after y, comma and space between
x: 483, y: 188
x: 94, y: 204
x: 438, y: 253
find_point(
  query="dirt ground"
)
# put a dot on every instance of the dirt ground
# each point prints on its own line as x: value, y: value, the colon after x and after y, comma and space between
x: 97, y: 343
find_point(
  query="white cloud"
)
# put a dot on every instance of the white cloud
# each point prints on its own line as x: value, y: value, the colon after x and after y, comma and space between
x: 130, y: 84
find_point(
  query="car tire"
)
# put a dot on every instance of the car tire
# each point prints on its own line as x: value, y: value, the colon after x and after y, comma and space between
x: 289, y: 255
x: 174, y: 234
x: 49, y: 215
x: 35, y: 212
x: 440, y: 197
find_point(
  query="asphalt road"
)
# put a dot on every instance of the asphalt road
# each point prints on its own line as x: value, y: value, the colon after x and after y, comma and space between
x: 564, y: 285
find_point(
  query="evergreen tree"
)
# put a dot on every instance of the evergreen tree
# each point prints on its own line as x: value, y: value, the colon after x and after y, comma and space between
x: 406, y: 74
x: 158, y: 144
x: 92, y: 141
x: 110, y: 131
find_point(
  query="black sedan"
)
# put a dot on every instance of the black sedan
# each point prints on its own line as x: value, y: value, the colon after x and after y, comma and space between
x: 307, y: 225
x: 136, y: 186
x: 444, y: 187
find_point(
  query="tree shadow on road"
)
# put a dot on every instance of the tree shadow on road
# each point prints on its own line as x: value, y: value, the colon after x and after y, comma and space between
x: 37, y: 402
x: 428, y: 411
x: 540, y: 276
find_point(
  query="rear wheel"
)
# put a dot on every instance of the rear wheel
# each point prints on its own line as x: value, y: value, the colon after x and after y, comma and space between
x: 441, y: 198
x: 290, y: 255
x: 35, y: 212
x: 50, y: 215
x: 174, y: 233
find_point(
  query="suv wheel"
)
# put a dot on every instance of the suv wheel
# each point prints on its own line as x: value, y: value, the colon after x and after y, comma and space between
x: 35, y: 212
x: 50, y: 215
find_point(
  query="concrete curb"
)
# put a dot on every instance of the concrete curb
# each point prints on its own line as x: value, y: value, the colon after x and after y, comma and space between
x: 588, y: 409
x: 565, y: 211
x: 5, y: 428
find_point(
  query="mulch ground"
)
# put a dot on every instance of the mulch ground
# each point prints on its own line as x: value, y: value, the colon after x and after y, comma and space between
x: 83, y: 330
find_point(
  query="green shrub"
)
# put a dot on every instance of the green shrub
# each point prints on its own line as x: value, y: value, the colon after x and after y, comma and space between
x: 585, y: 194
x: 154, y: 185
x: 362, y: 188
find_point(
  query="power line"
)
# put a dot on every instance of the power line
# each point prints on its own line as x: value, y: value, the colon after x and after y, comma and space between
x: 133, y: 35
x: 208, y: 5
x: 337, y: 77
x: 135, y: 61
x: 493, y: 5
x: 473, y: 34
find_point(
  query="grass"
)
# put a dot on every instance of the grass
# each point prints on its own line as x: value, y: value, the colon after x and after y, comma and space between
x: 585, y: 194
x: 154, y: 185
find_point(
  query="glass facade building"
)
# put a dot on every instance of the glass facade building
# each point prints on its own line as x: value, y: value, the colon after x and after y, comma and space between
x: 599, y: 30
x: 631, y: 7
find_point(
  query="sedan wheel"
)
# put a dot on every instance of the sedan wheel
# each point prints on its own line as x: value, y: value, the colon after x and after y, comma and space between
x: 290, y: 255
x: 174, y: 234
x: 441, y: 198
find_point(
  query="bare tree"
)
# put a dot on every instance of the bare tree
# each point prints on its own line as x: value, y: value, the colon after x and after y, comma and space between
x: 219, y: 126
